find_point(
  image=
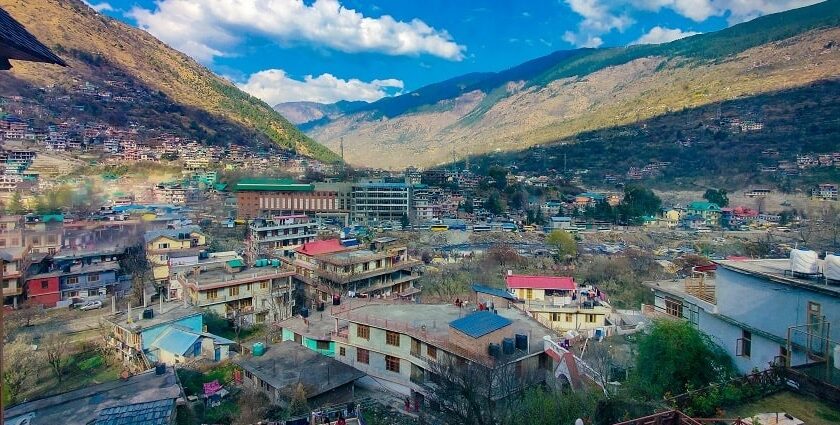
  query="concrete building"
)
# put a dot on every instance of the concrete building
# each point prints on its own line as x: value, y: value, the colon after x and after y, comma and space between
x: 271, y: 197
x: 15, y: 263
x: 559, y: 304
x: 378, y: 201
x: 253, y: 294
x: 278, y: 236
x: 710, y: 212
x: 11, y: 231
x: 161, y: 244
x: 760, y: 313
x: 44, y: 233
x: 282, y: 367
x: 397, y: 344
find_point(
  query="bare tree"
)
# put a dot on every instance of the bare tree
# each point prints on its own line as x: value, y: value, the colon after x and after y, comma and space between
x: 135, y: 263
x: 599, y: 358
x: 17, y: 367
x: 55, y: 347
x: 252, y: 407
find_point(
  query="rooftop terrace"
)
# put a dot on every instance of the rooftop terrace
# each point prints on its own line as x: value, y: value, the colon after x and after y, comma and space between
x: 778, y: 270
x: 167, y: 313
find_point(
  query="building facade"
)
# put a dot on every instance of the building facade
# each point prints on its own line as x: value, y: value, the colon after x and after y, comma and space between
x: 278, y: 236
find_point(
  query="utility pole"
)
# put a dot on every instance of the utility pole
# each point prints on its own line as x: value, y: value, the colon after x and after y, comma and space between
x: 343, y: 166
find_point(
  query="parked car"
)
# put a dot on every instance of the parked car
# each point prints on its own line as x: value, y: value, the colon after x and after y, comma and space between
x: 91, y: 305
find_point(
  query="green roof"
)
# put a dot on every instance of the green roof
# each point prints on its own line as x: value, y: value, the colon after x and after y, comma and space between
x: 235, y: 263
x: 703, y: 206
x: 279, y: 185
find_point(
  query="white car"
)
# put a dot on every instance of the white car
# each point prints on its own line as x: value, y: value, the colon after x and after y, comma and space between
x: 91, y: 305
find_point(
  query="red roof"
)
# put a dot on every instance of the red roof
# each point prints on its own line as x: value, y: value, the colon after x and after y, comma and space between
x: 322, y: 247
x: 540, y: 282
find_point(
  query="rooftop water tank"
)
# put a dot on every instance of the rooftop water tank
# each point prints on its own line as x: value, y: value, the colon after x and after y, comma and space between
x: 521, y: 342
x: 494, y: 350
x: 803, y: 262
x: 508, y: 346
x: 258, y: 349
x: 832, y: 267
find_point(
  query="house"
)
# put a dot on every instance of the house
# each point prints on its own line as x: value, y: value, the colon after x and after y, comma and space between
x: 558, y: 303
x: 758, y: 192
x: 150, y: 394
x: 279, y: 370
x: 396, y: 345
x: 253, y: 295
x: 826, y: 191
x: 170, y: 333
x: 759, y: 312
x: 44, y: 288
x: 15, y: 263
x: 560, y: 223
x: 11, y: 231
x: 707, y: 210
x: 335, y: 267
x: 44, y: 233
x: 160, y: 244
x: 90, y: 281
x: 671, y: 216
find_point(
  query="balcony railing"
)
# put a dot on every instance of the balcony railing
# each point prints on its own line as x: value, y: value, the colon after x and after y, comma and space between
x: 343, y: 278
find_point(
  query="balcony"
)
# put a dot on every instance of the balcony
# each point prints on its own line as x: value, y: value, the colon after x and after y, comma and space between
x: 290, y: 236
x: 344, y: 278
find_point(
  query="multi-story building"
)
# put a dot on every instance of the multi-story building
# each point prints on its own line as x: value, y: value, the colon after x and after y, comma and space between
x: 330, y: 267
x: 278, y: 236
x: 160, y: 244
x: 269, y: 197
x: 14, y: 262
x: 44, y: 233
x: 827, y: 191
x: 399, y: 344
x: 231, y: 290
x: 89, y: 281
x: 760, y: 312
x: 378, y: 201
x: 558, y: 303
x: 708, y: 211
x: 11, y: 231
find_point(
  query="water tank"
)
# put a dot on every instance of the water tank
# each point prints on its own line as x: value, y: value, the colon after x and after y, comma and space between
x: 304, y: 312
x: 148, y: 313
x: 521, y: 342
x: 832, y: 267
x: 803, y: 262
x: 160, y: 369
x: 508, y: 346
x: 258, y: 349
x: 275, y: 263
x: 494, y: 350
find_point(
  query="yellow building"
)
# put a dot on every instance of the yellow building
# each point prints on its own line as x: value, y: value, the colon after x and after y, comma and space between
x: 558, y: 303
x: 160, y: 244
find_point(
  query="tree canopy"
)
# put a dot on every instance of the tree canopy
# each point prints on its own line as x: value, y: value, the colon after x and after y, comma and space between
x: 563, y: 242
x: 718, y: 197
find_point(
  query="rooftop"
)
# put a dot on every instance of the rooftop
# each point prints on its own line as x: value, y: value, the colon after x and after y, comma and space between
x: 501, y: 293
x: 221, y: 276
x: 17, y: 43
x: 82, y: 406
x: 480, y: 323
x: 516, y: 281
x: 288, y: 363
x: 170, y: 312
x: 322, y: 247
x: 171, y: 233
x: 279, y: 185
x: 778, y: 270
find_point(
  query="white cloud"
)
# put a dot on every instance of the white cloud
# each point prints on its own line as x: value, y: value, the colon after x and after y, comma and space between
x: 598, y: 20
x: 205, y: 29
x: 275, y: 86
x: 99, y: 7
x: 737, y: 11
x: 659, y: 35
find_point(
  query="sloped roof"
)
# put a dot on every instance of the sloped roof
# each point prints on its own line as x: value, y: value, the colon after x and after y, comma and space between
x: 175, y: 340
x: 703, y: 206
x: 17, y: 43
x: 322, y: 247
x: 480, y: 323
x: 501, y: 293
x: 171, y: 233
x: 158, y: 412
x: 515, y: 281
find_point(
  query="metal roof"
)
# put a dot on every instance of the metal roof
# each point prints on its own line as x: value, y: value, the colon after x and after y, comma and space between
x: 175, y: 340
x: 278, y: 185
x: 480, y: 323
x: 17, y: 43
x: 158, y: 412
x: 501, y: 293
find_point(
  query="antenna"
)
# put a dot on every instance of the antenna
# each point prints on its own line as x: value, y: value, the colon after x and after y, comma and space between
x: 343, y: 163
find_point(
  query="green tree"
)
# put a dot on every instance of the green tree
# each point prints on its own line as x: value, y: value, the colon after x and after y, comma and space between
x: 718, y: 197
x: 499, y: 176
x: 563, y: 242
x: 495, y: 204
x: 404, y: 221
x: 16, y: 204
x: 673, y: 355
x: 638, y: 202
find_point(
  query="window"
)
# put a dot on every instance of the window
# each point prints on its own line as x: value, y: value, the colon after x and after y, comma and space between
x: 93, y: 293
x: 590, y: 318
x: 51, y: 239
x: 362, y: 356
x: 673, y: 307
x: 431, y: 352
x: 248, y: 287
x: 555, y: 317
x: 342, y: 351
x: 263, y: 285
x: 212, y: 294
x: 570, y: 317
x: 93, y: 277
x: 2, y: 243
x: 529, y: 294
x: 744, y: 347
x: 45, y: 284
x: 392, y: 364
x: 363, y: 331
x: 163, y: 246
x: 322, y: 345
x: 36, y: 241
x: 72, y: 280
x: 233, y: 291
x: 392, y: 338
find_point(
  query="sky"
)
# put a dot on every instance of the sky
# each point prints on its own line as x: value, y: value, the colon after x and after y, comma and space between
x: 330, y: 50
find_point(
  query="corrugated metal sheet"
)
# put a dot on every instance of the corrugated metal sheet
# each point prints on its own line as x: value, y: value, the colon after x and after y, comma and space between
x: 501, y: 293
x: 480, y: 323
x: 150, y: 413
x: 175, y: 340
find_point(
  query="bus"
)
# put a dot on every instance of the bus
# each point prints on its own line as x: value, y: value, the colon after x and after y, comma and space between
x: 439, y: 227
x: 481, y: 228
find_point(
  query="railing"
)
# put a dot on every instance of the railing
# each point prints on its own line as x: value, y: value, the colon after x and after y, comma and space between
x: 583, y: 366
x: 343, y: 278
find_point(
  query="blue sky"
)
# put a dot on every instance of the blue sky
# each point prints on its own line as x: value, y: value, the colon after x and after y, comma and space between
x: 329, y: 50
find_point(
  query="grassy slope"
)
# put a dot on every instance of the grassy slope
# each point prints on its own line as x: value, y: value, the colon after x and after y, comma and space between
x: 69, y: 25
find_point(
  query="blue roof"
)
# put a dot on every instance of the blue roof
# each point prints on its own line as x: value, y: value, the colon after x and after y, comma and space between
x: 480, y: 323
x: 501, y: 293
x: 149, y: 413
x: 174, y: 340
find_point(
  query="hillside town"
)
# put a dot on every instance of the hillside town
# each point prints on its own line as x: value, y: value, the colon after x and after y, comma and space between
x: 157, y: 275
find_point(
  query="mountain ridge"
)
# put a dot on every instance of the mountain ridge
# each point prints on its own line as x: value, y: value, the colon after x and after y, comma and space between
x: 515, y: 114
x: 97, y: 46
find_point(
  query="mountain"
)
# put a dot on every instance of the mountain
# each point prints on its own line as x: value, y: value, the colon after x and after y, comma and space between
x: 305, y: 112
x: 177, y: 93
x: 557, y: 97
